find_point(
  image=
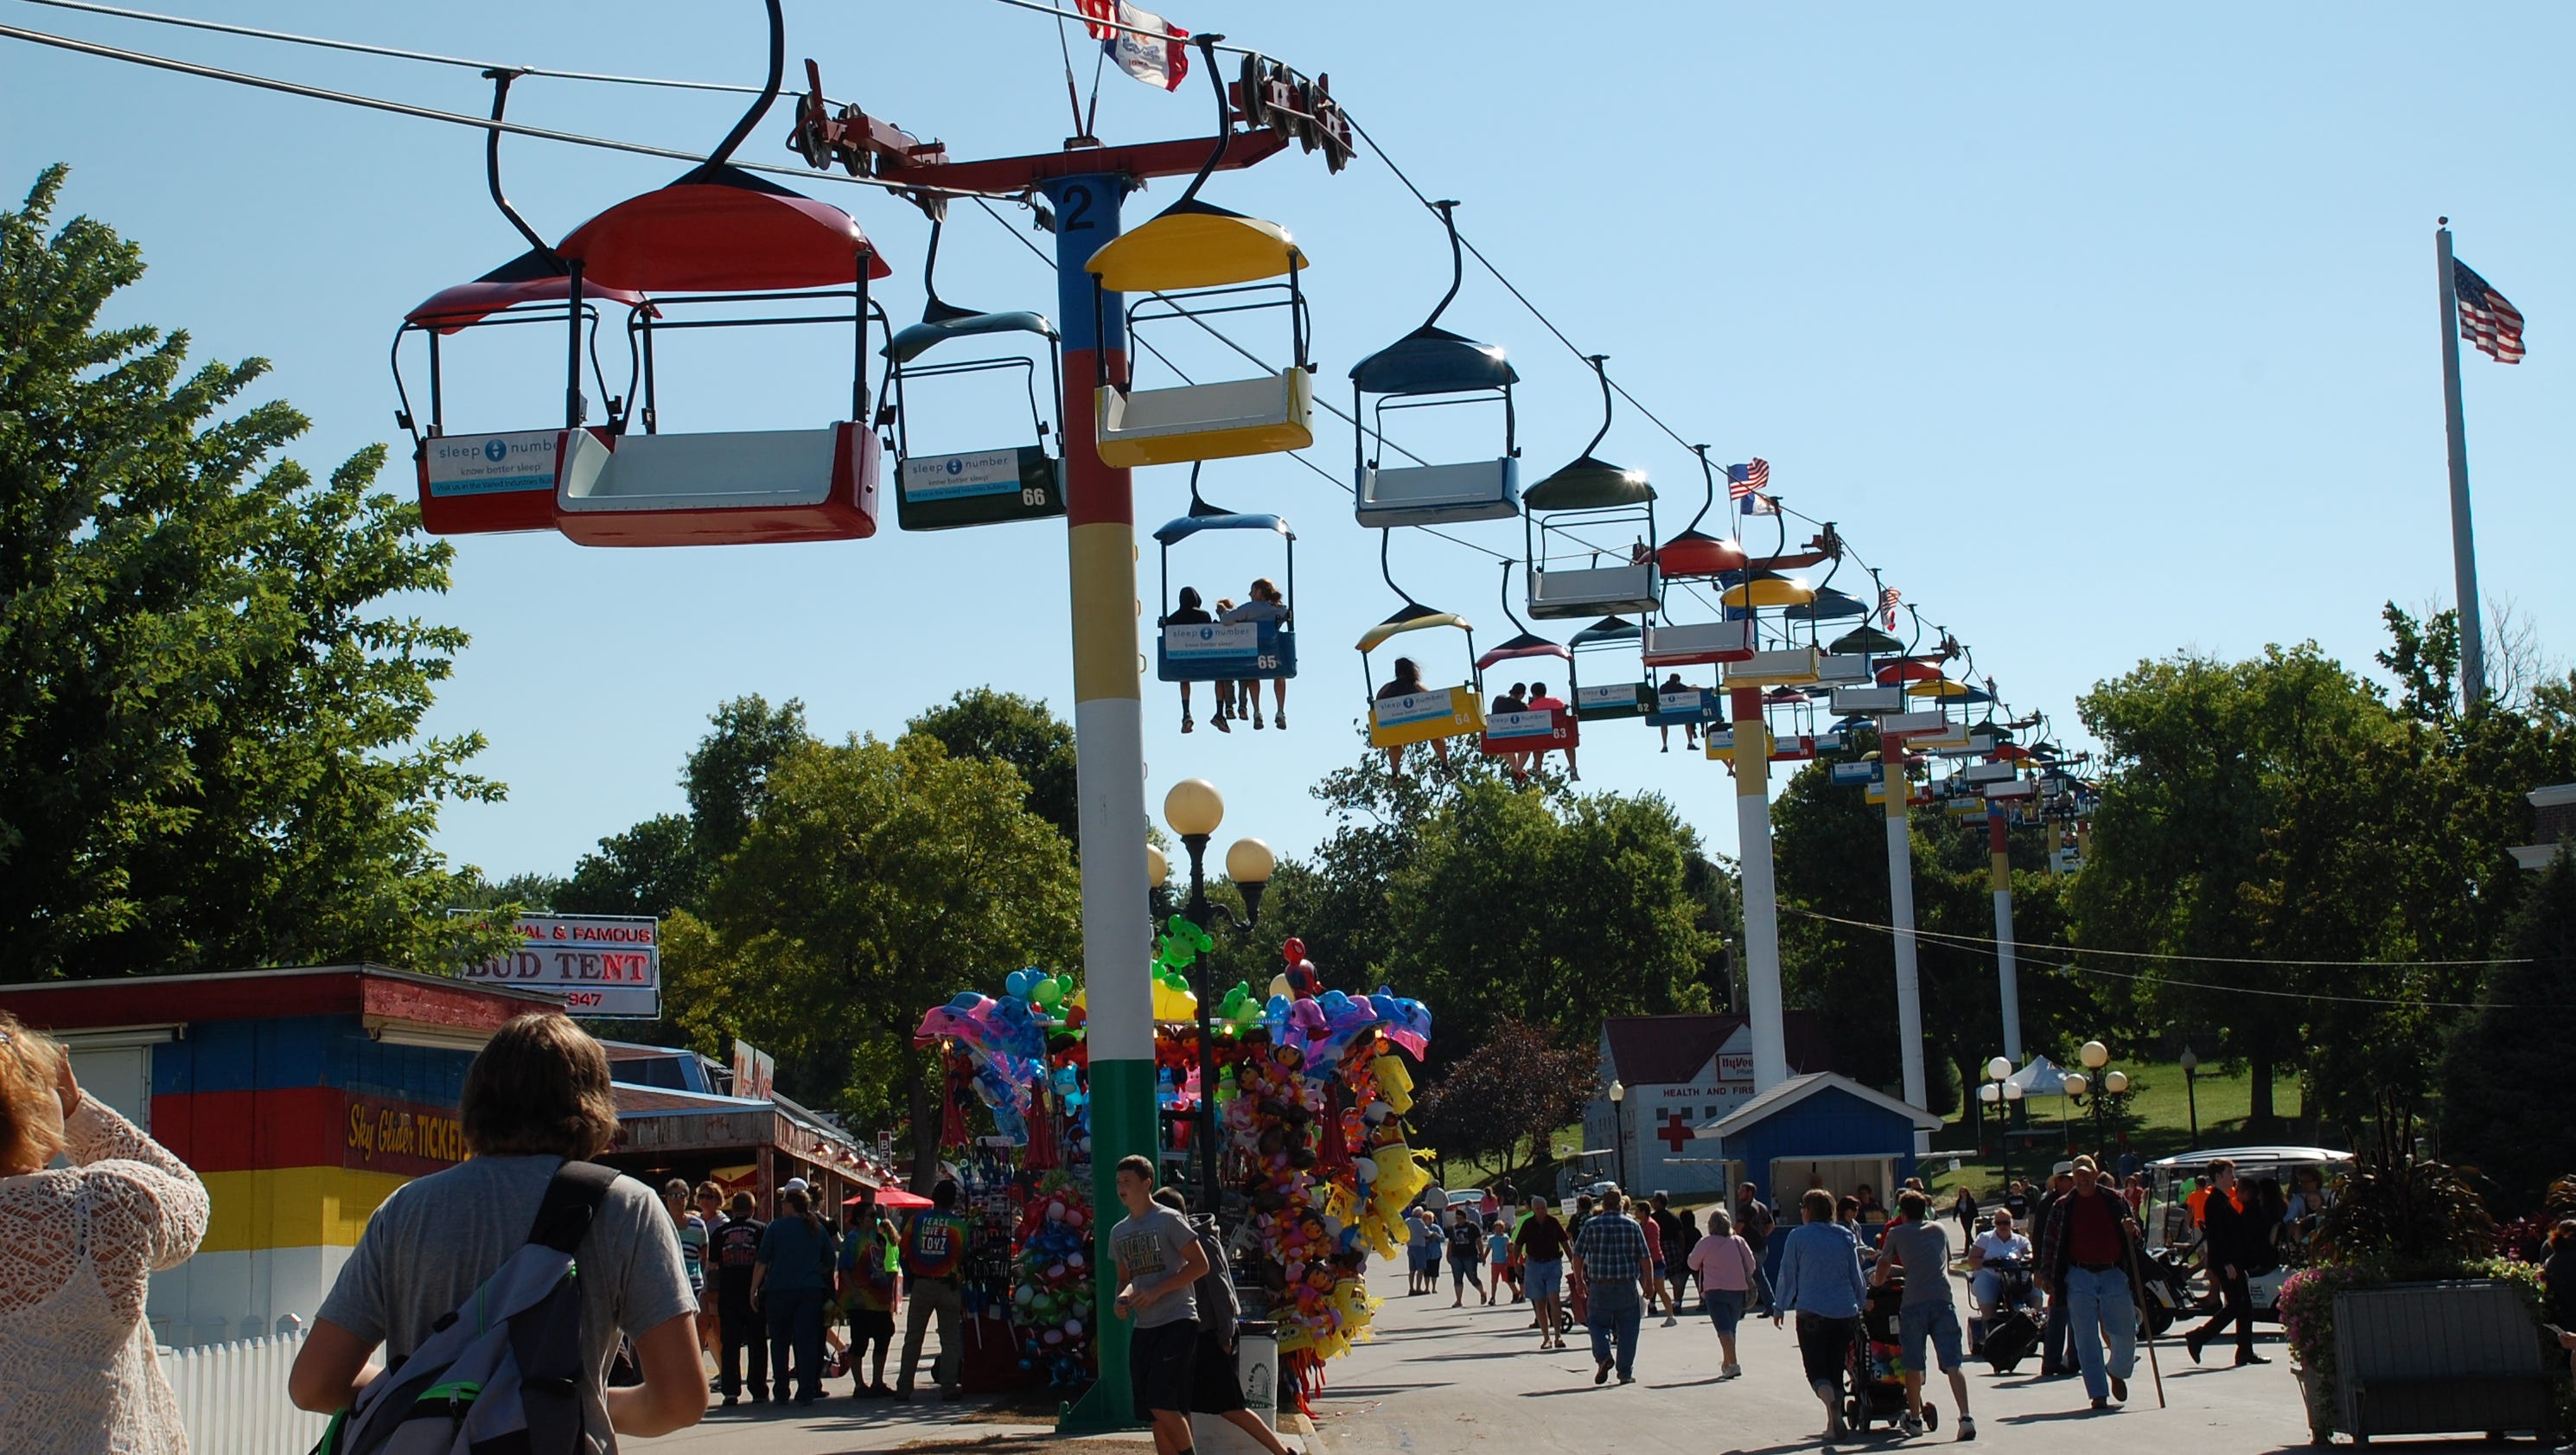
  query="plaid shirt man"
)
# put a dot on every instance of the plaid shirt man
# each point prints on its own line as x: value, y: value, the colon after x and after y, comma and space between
x: 1612, y: 1248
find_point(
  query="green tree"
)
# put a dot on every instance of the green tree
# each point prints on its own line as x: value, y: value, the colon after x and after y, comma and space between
x: 2188, y: 856
x: 1006, y: 727
x: 2498, y: 1115
x: 1501, y: 1102
x: 877, y: 880
x: 664, y: 863
x: 1485, y: 901
x: 210, y: 753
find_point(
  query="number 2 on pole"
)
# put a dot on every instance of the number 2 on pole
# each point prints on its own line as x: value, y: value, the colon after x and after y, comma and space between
x: 1077, y: 209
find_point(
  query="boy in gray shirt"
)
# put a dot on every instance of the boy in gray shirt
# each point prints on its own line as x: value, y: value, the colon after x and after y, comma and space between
x: 1921, y: 1248
x: 1159, y: 1264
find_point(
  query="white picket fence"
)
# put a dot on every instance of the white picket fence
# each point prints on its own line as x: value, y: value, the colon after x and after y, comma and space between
x: 232, y: 1397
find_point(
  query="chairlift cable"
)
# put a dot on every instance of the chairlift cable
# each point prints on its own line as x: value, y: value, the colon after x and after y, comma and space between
x: 423, y: 113
x: 391, y: 52
x: 1981, y: 940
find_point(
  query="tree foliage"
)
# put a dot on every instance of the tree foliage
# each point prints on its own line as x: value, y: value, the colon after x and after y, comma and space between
x: 2497, y: 1111
x: 666, y: 862
x: 1501, y: 1101
x: 1009, y: 728
x: 2325, y: 868
x: 1837, y: 959
x: 876, y: 880
x: 1488, y: 901
x: 210, y: 754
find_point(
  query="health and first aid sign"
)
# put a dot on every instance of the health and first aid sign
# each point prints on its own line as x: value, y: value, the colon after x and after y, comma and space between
x: 604, y: 966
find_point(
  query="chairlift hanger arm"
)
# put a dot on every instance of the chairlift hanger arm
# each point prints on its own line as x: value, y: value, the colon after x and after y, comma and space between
x: 864, y: 145
x: 760, y: 104
x: 501, y: 80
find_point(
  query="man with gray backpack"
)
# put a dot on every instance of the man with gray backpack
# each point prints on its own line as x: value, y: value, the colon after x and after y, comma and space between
x: 500, y: 1287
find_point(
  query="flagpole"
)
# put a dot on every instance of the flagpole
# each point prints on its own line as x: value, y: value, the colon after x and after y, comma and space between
x: 2464, y: 555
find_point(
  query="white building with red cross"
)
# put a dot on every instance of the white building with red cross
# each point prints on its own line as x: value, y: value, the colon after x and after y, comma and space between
x: 1677, y: 1073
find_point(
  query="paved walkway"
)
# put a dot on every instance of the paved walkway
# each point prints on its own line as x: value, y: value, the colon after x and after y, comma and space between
x: 1438, y: 1380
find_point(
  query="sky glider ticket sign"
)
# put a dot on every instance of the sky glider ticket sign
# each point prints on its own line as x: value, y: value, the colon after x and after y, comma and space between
x: 608, y: 967
x: 938, y: 492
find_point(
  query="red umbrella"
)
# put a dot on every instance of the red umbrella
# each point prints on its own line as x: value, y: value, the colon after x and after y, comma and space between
x: 894, y: 1197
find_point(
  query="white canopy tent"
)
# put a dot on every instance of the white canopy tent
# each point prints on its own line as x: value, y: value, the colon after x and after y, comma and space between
x: 2042, y: 1077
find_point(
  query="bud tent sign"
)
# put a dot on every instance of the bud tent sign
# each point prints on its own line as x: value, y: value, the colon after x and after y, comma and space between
x: 604, y: 966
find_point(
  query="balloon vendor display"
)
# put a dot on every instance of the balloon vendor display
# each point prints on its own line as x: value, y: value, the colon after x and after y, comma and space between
x: 1311, y: 1094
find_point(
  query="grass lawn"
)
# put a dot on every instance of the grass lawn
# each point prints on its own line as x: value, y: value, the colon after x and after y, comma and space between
x: 2156, y: 1111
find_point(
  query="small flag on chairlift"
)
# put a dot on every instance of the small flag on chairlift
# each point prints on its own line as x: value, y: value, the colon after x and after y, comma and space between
x: 1743, y: 480
x: 2490, y: 324
x: 1761, y: 505
x: 1888, y: 596
x: 1128, y: 33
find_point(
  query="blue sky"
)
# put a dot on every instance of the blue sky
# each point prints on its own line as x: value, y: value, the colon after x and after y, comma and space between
x: 2103, y: 334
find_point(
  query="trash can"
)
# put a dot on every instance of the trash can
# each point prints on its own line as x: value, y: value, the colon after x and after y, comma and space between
x: 1256, y: 1359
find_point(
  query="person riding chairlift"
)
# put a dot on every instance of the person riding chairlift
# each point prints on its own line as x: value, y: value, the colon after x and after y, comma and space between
x: 1408, y: 680
x: 1539, y: 701
x: 1690, y: 730
x: 1265, y: 605
x: 1190, y: 613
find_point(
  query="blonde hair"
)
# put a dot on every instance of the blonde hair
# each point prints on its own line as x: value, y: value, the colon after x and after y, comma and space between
x: 540, y: 1086
x: 31, y: 1066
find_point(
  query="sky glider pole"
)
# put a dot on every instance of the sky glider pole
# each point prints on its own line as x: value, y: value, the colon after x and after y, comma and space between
x: 1761, y: 893
x: 1109, y: 774
x: 2007, y: 969
x: 1900, y: 914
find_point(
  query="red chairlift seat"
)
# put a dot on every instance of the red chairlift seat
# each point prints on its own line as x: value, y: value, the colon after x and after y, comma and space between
x: 725, y: 234
x: 479, y: 482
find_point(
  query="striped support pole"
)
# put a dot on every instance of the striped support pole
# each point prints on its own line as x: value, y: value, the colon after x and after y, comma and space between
x: 1100, y: 516
x: 1900, y: 915
x: 1761, y: 894
x: 2007, y: 971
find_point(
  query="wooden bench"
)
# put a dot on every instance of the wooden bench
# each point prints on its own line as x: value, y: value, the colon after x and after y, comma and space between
x: 2440, y: 1358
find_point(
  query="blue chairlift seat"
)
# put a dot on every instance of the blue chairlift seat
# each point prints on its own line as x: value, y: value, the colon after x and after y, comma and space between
x: 975, y: 487
x: 1428, y: 368
x: 1620, y: 696
x: 1226, y: 651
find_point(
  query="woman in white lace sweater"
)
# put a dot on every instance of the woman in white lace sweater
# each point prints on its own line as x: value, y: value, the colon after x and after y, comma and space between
x: 77, y: 1372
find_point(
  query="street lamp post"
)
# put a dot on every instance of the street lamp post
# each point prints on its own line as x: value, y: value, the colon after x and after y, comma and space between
x: 2191, y: 1092
x: 1193, y: 809
x: 2095, y: 1056
x: 1619, y: 1127
x: 2000, y: 1092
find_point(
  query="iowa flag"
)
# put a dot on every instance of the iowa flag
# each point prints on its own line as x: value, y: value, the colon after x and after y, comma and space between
x: 1145, y: 45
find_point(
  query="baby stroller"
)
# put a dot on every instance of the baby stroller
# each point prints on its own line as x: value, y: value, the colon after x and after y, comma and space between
x: 1876, y: 1365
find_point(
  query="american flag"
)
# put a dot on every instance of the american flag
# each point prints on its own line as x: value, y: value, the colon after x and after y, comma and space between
x: 2487, y: 321
x: 1743, y: 480
x: 1888, y: 596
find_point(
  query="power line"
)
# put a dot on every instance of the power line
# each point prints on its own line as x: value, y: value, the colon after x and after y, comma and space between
x: 424, y: 113
x: 1981, y: 940
x: 1064, y: 15
x: 394, y: 52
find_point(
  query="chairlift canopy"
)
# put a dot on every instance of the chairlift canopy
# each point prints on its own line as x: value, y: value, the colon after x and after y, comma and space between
x: 720, y: 230
x: 1413, y: 616
x: 1194, y: 244
x: 1432, y: 360
x: 1589, y: 484
x: 531, y: 277
x: 912, y: 342
x: 1190, y: 525
x: 1864, y: 640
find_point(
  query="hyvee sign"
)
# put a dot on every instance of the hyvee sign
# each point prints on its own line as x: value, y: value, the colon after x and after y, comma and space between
x: 609, y: 967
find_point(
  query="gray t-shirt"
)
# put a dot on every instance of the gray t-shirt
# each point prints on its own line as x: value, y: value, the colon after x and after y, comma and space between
x: 1924, y: 1249
x: 435, y: 1240
x: 1149, y: 1247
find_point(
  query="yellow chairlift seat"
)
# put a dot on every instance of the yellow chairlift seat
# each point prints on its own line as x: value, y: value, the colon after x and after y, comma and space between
x: 1196, y: 254
x: 1434, y: 712
x: 1767, y: 590
x: 1194, y: 245
x: 1938, y: 687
